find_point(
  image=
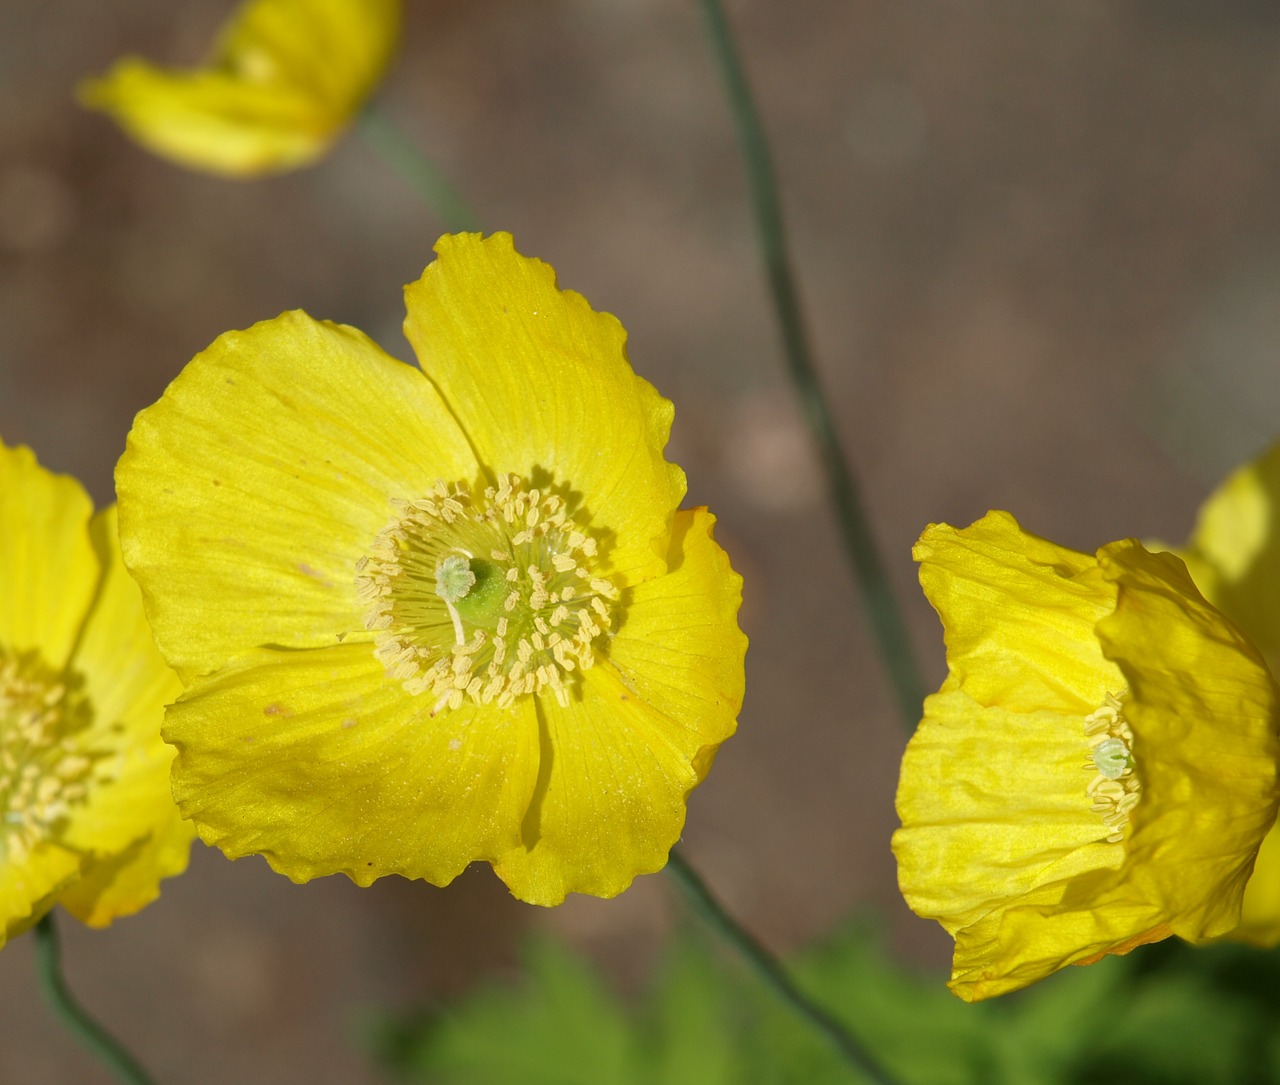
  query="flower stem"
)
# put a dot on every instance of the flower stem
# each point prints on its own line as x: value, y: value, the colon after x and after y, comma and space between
x: 417, y: 169
x: 771, y: 972
x: 104, y: 1048
x: 882, y: 610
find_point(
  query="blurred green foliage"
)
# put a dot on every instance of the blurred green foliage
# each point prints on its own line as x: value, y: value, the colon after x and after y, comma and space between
x: 1165, y: 1015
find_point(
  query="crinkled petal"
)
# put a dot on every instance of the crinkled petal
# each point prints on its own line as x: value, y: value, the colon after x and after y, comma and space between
x: 1203, y: 708
x: 540, y: 382
x: 1017, y: 614
x: 679, y: 647
x: 48, y: 568
x: 251, y: 489
x: 993, y: 807
x: 610, y: 801
x: 128, y: 685
x: 996, y: 840
x: 318, y: 761
x: 285, y: 78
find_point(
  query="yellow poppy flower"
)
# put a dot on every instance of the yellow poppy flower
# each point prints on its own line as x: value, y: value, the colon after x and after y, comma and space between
x: 1234, y: 557
x: 1099, y: 767
x: 432, y: 616
x: 285, y: 77
x: 86, y: 817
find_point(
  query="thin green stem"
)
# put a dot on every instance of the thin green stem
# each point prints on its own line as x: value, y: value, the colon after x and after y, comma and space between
x: 103, y: 1047
x: 771, y: 972
x: 417, y: 169
x: 882, y: 610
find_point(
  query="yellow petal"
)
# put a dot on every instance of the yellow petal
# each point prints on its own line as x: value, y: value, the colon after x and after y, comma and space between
x: 119, y: 885
x: 28, y: 886
x: 1234, y: 551
x: 679, y: 647
x: 1204, y: 711
x: 48, y: 570
x: 286, y: 77
x: 610, y: 801
x: 993, y: 805
x: 1018, y: 614
x: 251, y: 489
x: 1260, y: 910
x: 132, y: 826
x: 319, y: 762
x: 502, y: 343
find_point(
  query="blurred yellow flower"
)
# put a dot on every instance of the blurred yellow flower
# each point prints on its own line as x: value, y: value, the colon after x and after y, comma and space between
x: 86, y: 817
x: 433, y: 616
x: 285, y: 77
x: 1099, y: 767
x: 1234, y: 557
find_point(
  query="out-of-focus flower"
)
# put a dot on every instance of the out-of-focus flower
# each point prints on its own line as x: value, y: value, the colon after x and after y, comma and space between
x: 86, y: 817
x: 429, y: 617
x: 284, y: 79
x: 1097, y: 771
x: 1234, y: 556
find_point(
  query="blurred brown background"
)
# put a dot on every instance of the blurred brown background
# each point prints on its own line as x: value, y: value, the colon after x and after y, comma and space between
x: 1040, y: 249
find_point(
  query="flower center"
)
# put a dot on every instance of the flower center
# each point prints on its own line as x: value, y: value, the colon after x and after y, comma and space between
x: 43, y: 770
x: 488, y: 597
x: 1115, y: 788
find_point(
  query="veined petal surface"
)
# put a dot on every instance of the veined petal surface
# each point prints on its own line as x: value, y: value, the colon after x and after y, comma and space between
x: 501, y: 341
x: 251, y: 489
x: 286, y: 76
x: 314, y: 760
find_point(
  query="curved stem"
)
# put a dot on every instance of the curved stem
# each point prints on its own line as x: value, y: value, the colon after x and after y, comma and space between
x: 771, y: 972
x: 882, y: 610
x: 100, y: 1043
x: 417, y: 169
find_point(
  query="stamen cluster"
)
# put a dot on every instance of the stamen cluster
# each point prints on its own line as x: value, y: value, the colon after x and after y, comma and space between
x: 1115, y: 788
x: 43, y: 771
x: 488, y: 598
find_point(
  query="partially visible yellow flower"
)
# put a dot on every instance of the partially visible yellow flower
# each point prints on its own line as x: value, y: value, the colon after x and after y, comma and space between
x: 432, y: 616
x: 1234, y: 557
x: 284, y: 79
x: 1099, y: 767
x: 86, y: 817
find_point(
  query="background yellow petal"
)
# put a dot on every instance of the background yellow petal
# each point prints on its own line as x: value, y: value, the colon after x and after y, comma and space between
x: 285, y: 77
x: 610, y: 801
x: 1203, y: 708
x: 1260, y: 910
x: 1235, y: 550
x: 540, y: 381
x: 679, y: 647
x: 1018, y: 615
x: 48, y: 568
x: 128, y: 685
x: 333, y: 50
x: 250, y: 490
x: 211, y: 120
x: 319, y: 762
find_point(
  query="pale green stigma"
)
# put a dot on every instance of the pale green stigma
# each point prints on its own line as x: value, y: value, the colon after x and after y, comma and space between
x: 454, y: 578
x: 1112, y: 758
